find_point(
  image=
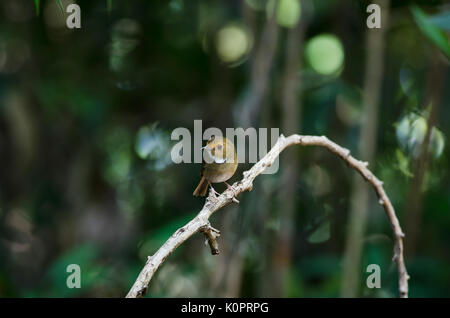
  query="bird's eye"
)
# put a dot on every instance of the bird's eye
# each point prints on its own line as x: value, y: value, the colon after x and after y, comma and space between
x: 219, y: 147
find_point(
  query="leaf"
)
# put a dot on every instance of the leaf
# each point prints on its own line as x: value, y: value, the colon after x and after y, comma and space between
x: 403, y: 163
x: 36, y: 4
x: 431, y: 31
x: 321, y: 234
x: 441, y: 20
x: 60, y: 6
x: 437, y: 142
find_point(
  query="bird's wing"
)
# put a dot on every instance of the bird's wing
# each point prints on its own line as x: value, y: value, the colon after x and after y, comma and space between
x: 203, y: 168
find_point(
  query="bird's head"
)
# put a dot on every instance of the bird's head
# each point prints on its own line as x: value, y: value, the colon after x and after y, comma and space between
x: 216, y: 149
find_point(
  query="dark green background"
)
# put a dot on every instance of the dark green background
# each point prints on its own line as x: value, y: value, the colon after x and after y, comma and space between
x: 74, y: 187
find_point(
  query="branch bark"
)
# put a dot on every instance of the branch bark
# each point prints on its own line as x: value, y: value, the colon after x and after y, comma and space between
x: 201, y: 222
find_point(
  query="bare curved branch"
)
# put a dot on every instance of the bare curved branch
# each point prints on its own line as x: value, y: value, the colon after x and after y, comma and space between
x: 201, y: 222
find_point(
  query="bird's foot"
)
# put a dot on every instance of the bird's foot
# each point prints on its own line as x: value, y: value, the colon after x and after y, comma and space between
x: 213, y: 192
x: 234, y: 193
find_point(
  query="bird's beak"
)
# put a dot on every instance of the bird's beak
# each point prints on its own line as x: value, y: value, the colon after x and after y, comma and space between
x: 206, y: 147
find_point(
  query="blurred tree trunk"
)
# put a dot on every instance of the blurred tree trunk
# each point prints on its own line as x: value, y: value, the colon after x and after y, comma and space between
x: 280, y: 256
x: 254, y: 101
x: 228, y: 277
x: 23, y: 128
x: 360, y: 194
x: 413, y: 210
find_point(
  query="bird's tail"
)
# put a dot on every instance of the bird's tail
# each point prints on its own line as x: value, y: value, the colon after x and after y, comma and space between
x: 202, y: 187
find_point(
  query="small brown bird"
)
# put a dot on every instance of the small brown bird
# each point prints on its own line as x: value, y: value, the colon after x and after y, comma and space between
x: 220, y: 166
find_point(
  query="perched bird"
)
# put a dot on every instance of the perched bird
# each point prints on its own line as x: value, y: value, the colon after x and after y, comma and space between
x: 221, y: 164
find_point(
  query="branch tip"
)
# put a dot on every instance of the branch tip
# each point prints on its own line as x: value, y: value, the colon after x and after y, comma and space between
x: 211, y: 235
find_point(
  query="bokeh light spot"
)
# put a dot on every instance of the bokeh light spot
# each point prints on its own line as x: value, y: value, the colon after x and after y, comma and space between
x: 233, y: 42
x: 411, y: 132
x: 325, y: 54
x: 152, y: 144
x: 288, y: 13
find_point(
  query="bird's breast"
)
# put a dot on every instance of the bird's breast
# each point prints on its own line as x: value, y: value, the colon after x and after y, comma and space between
x: 219, y: 172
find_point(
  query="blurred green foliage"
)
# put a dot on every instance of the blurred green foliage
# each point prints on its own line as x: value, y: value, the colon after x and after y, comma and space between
x: 432, y: 29
x: 85, y: 123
